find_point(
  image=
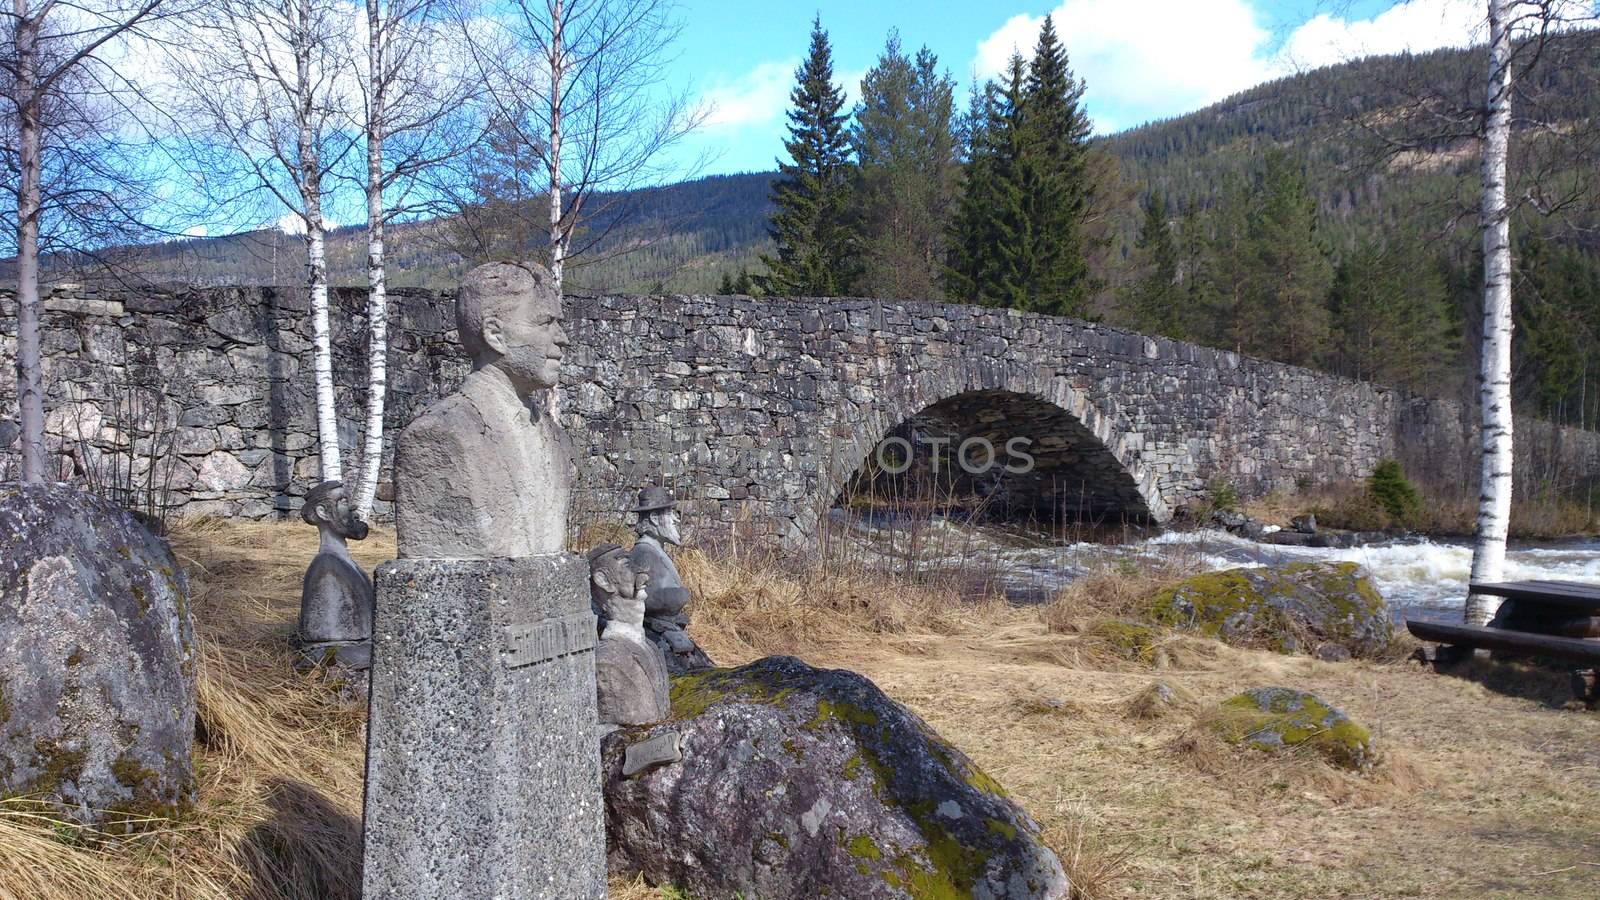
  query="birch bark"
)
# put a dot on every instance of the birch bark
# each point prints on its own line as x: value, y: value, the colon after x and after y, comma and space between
x: 558, y: 243
x: 1494, y: 374
x: 377, y: 289
x: 310, y: 183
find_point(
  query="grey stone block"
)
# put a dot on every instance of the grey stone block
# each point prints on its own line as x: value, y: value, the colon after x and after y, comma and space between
x: 483, y: 770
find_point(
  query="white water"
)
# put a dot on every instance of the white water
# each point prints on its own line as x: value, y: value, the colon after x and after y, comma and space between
x: 1428, y: 577
x: 1424, y: 575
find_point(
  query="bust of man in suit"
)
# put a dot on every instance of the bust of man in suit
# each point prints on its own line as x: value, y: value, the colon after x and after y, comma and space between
x: 486, y: 472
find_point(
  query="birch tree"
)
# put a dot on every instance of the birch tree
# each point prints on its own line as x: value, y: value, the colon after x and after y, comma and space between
x: 267, y: 83
x: 413, y: 102
x: 62, y: 102
x: 1494, y: 365
x: 576, y: 86
x: 1520, y: 38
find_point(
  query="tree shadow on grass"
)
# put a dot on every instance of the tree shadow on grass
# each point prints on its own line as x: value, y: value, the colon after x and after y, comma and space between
x: 309, y: 849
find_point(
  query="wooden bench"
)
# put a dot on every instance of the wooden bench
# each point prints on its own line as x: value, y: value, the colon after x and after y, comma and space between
x: 1541, y: 618
x: 1490, y: 638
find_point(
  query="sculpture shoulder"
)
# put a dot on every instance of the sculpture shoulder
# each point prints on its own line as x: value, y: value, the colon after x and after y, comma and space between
x: 454, y: 418
x: 328, y: 567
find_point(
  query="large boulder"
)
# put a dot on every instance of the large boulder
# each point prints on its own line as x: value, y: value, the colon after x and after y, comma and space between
x: 97, y: 661
x: 1294, y: 608
x: 1277, y: 719
x: 798, y: 782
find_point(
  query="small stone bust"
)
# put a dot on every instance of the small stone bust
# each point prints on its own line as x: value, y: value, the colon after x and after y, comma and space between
x: 336, y: 596
x: 486, y: 471
x: 630, y: 675
x: 665, y: 619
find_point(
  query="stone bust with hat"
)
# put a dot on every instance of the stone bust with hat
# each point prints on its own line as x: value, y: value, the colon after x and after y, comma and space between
x: 657, y: 527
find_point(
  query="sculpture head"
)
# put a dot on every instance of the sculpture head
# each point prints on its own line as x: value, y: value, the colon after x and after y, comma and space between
x: 509, y: 317
x: 327, y: 507
x: 615, y: 589
x: 658, y: 515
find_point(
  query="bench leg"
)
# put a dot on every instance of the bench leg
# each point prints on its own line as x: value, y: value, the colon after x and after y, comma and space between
x: 1442, y: 656
x: 1586, y: 687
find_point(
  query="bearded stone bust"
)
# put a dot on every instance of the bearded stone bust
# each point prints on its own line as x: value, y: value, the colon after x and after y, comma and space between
x: 486, y: 471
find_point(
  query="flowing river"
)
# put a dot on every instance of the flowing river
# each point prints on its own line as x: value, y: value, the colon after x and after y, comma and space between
x: 1423, y: 577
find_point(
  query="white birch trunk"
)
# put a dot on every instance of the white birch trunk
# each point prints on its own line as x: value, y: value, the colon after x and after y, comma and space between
x: 316, y: 261
x: 558, y: 244
x: 1494, y: 375
x: 30, y: 382
x: 377, y: 293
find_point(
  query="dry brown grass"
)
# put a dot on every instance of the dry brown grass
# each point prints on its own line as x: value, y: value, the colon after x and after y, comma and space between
x: 278, y: 757
x: 1534, y: 514
x: 1485, y: 788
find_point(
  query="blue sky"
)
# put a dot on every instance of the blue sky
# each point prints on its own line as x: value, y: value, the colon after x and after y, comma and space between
x: 1141, y: 59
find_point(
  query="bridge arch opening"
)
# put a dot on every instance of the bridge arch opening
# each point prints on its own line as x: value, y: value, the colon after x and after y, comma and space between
x: 999, y: 455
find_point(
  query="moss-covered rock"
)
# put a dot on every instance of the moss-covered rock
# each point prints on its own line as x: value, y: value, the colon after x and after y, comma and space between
x: 798, y: 782
x: 1276, y: 719
x: 1293, y: 608
x: 1134, y: 640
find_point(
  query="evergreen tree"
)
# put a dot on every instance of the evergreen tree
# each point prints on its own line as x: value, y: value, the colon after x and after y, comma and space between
x: 1282, y: 302
x: 1155, y: 301
x: 1016, y: 239
x: 992, y: 244
x: 816, y: 246
x: 1391, y: 319
x: 1057, y: 136
x: 906, y: 151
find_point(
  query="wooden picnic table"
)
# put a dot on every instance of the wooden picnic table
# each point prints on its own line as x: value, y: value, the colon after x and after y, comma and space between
x: 1573, y: 595
x: 1559, y: 619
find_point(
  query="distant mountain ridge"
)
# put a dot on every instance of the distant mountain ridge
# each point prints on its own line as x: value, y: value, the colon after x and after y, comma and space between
x: 686, y: 237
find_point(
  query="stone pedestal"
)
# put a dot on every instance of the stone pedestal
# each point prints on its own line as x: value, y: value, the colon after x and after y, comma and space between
x: 483, y: 771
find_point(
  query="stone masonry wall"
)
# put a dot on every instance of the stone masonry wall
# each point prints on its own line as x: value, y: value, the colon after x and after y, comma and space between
x: 756, y: 412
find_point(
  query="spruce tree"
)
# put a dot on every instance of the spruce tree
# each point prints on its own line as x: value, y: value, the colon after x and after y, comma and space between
x: 992, y: 255
x: 906, y: 172
x: 816, y: 246
x: 1281, y: 300
x: 1154, y: 301
x: 1390, y: 309
x: 1016, y: 239
x: 1057, y: 135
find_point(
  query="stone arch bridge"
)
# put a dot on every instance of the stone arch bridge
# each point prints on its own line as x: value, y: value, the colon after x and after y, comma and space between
x: 761, y: 411
x: 756, y: 412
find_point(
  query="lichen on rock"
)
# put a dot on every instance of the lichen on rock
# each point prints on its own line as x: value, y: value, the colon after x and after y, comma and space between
x: 1276, y: 718
x: 849, y: 794
x: 97, y: 679
x: 1293, y: 608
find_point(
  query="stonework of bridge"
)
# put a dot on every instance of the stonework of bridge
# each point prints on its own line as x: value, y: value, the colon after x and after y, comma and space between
x: 757, y: 413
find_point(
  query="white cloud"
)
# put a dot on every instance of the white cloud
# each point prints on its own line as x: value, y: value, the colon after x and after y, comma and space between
x: 196, y: 231
x: 292, y: 224
x: 757, y: 97
x: 1415, y: 26
x: 760, y: 97
x: 1419, y: 25
x: 1173, y: 56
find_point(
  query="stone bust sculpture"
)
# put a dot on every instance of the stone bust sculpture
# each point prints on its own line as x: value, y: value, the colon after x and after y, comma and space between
x: 486, y: 472
x: 630, y: 676
x: 665, y: 620
x: 336, y: 595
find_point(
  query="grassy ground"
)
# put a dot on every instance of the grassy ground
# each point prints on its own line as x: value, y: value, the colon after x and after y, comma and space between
x: 1487, y: 787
